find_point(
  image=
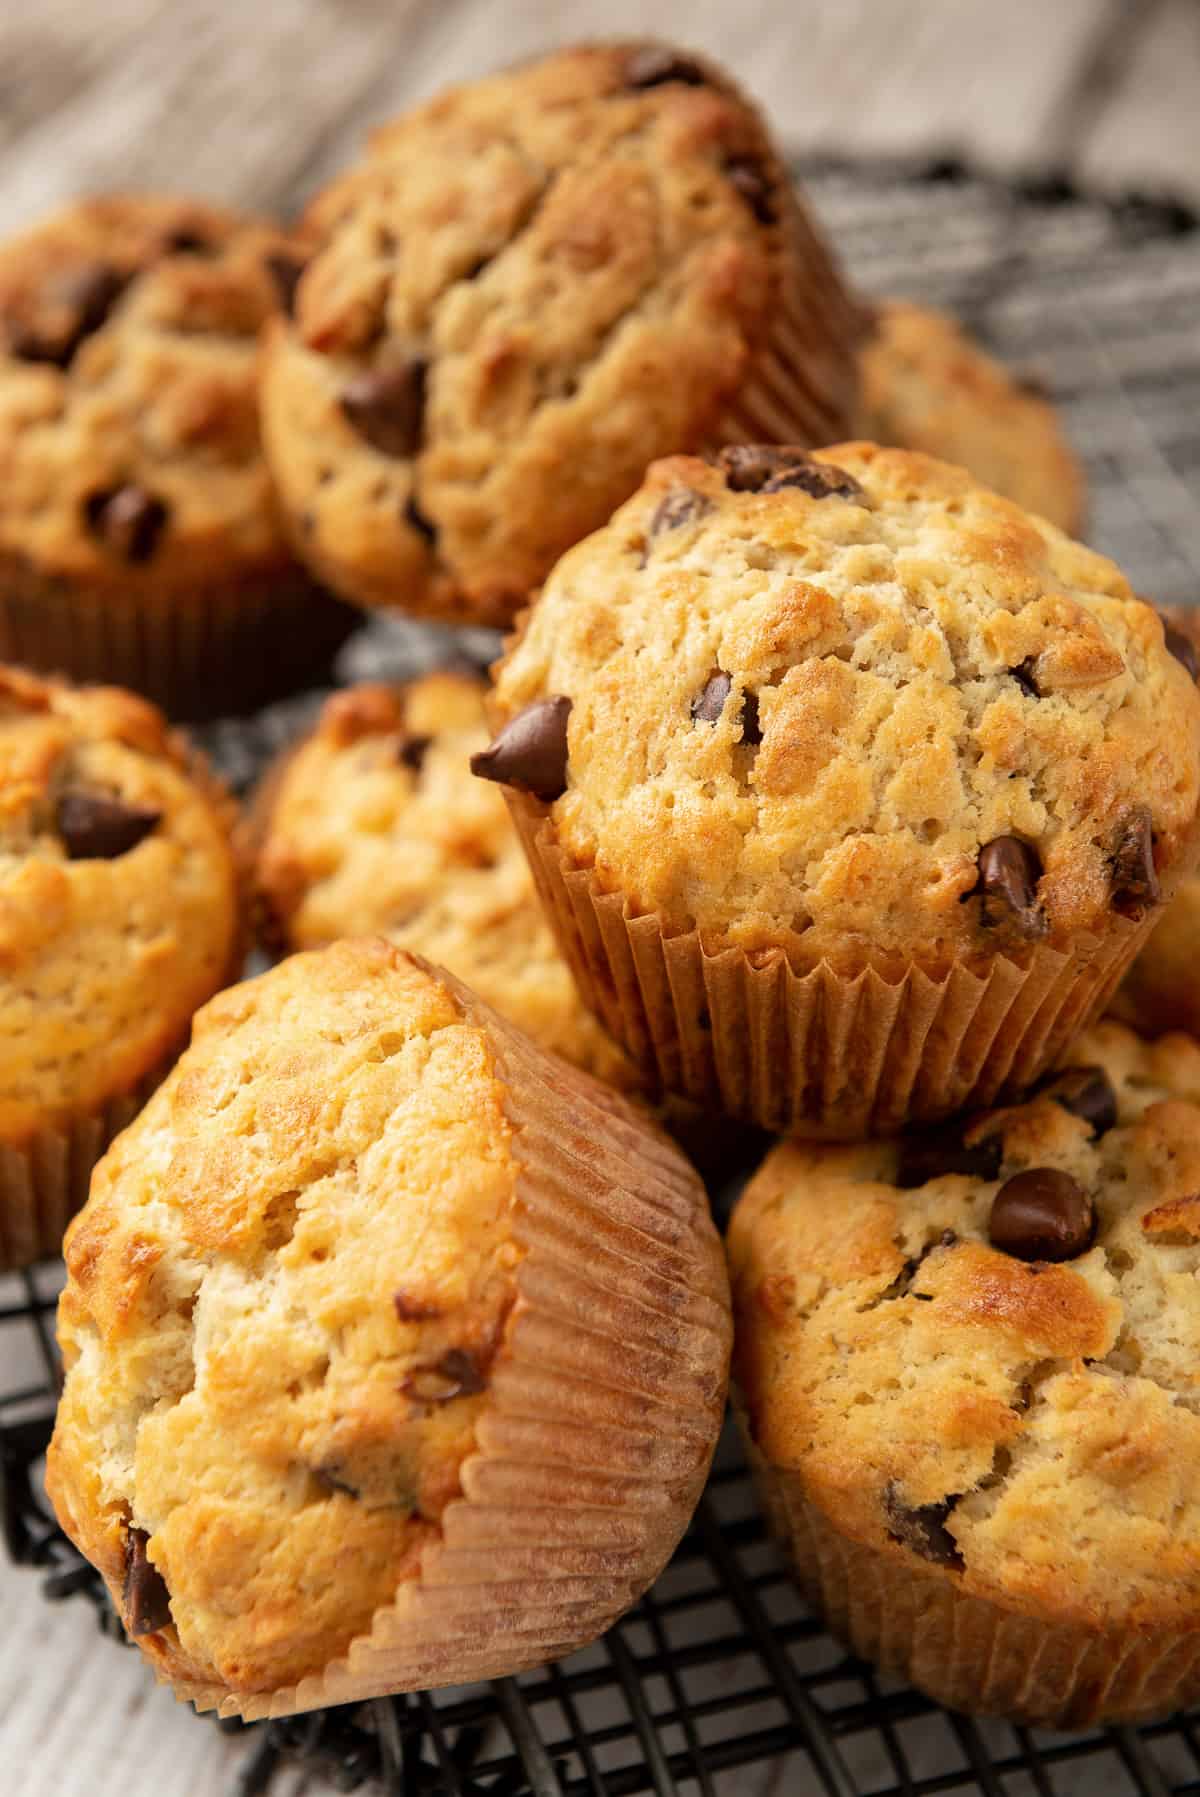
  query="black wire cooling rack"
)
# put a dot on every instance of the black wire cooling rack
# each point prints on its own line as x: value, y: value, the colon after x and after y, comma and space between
x: 720, y: 1683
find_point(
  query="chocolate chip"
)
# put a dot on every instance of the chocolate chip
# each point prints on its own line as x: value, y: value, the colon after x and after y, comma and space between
x: 127, y: 520
x: 144, y: 1595
x: 412, y: 752
x: 751, y: 728
x: 1042, y: 1214
x: 1009, y: 871
x: 1135, y: 884
x: 923, y: 1528
x: 757, y: 468
x: 709, y: 702
x: 1025, y: 676
x: 1182, y: 648
x: 95, y: 827
x: 415, y: 517
x: 186, y: 242
x: 1086, y: 1092
x: 387, y: 406
x: 457, y: 1374
x: 414, y: 1310
x: 931, y: 1153
x: 285, y: 271
x: 655, y: 64
x: 750, y: 178
x: 530, y: 752
x: 78, y: 303
x: 682, y: 505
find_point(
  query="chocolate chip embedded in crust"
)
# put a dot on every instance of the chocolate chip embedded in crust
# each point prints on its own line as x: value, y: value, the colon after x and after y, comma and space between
x: 412, y: 752
x: 655, y: 64
x: 1182, y: 648
x: 96, y: 827
x: 1135, y: 884
x: 751, y: 728
x: 77, y: 303
x: 751, y: 180
x: 127, y: 520
x: 1086, y: 1092
x: 387, y: 406
x: 410, y: 1309
x: 457, y: 1374
x: 1009, y: 871
x: 1025, y: 675
x: 530, y: 752
x: 931, y: 1153
x: 187, y: 242
x: 682, y: 505
x: 144, y: 1595
x: 1042, y: 1214
x: 923, y: 1528
x: 709, y: 702
x: 758, y: 468
x: 285, y: 271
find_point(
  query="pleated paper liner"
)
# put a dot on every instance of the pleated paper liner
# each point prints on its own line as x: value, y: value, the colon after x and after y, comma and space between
x: 966, y: 1651
x: 606, y: 1402
x: 818, y: 1052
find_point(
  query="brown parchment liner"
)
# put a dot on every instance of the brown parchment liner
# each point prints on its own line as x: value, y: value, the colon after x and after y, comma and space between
x: 819, y: 1053
x: 966, y: 1651
x: 606, y: 1400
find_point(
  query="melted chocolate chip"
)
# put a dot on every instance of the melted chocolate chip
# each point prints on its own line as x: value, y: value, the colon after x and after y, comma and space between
x: 757, y: 468
x: 144, y: 1595
x: 1086, y: 1092
x: 709, y: 702
x: 931, y: 1153
x: 923, y: 1529
x: 1182, y: 648
x: 415, y: 517
x: 751, y: 728
x: 654, y: 65
x: 750, y: 178
x: 412, y: 752
x: 1025, y: 676
x: 414, y: 1310
x: 96, y: 827
x: 682, y: 505
x: 127, y: 520
x: 1042, y: 1214
x: 457, y: 1374
x: 1009, y: 871
x: 1135, y: 884
x: 530, y: 752
x: 387, y: 406
x: 79, y: 303
x: 285, y: 271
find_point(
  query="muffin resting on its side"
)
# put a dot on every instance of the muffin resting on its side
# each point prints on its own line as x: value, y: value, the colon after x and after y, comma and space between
x: 852, y: 787
x: 925, y: 385
x: 528, y: 288
x: 119, y: 916
x: 140, y: 539
x: 969, y: 1365
x: 395, y: 1350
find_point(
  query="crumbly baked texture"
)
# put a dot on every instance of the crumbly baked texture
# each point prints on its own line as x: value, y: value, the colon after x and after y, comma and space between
x: 924, y: 384
x: 857, y: 706
x: 529, y: 287
x: 118, y: 898
x: 1031, y: 1429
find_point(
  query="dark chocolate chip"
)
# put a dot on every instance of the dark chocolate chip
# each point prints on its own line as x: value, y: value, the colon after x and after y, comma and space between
x: 758, y: 468
x: 530, y: 752
x: 654, y: 65
x: 127, y: 520
x: 144, y: 1595
x: 930, y: 1153
x: 97, y: 827
x: 186, y: 242
x: 285, y: 271
x: 1042, y: 1214
x: 750, y: 178
x: 682, y: 505
x: 709, y: 702
x: 415, y: 517
x: 1086, y: 1092
x: 1182, y: 648
x: 751, y: 728
x: 414, y: 1310
x: 457, y: 1374
x: 412, y: 752
x: 1135, y: 884
x: 1009, y: 871
x: 923, y: 1529
x: 79, y: 302
x: 1025, y: 675
x: 387, y: 406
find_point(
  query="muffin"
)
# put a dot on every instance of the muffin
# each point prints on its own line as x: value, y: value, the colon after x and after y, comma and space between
x: 528, y: 288
x: 852, y: 789
x: 395, y: 1350
x: 968, y: 1371
x: 118, y: 917
x: 925, y: 385
x: 140, y: 538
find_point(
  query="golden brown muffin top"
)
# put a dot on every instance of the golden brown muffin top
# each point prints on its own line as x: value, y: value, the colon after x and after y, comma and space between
x: 129, y: 442
x: 118, y: 897
x: 855, y: 705
x: 909, y: 1349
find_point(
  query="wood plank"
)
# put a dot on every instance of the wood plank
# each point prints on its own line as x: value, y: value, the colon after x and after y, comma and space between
x: 1148, y: 134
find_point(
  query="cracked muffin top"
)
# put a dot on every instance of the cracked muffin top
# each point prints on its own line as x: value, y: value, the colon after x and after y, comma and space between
x: 856, y: 705
x: 129, y: 440
x: 981, y: 1346
x: 925, y: 385
x: 529, y: 287
x: 118, y: 897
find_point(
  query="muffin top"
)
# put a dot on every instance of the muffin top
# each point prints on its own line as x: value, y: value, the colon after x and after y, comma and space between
x: 854, y: 705
x: 530, y: 286
x: 374, y: 825
x: 129, y: 441
x: 925, y: 385
x: 982, y: 1346
x: 118, y: 900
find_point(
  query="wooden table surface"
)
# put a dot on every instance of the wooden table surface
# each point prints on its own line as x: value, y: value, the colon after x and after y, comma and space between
x: 258, y: 103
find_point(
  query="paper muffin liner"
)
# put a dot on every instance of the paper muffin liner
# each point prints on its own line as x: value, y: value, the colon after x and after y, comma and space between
x: 197, y: 651
x: 605, y: 1405
x: 818, y: 1053
x: 970, y: 1652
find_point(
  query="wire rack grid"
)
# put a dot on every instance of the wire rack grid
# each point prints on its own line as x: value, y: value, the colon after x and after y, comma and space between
x: 720, y: 1683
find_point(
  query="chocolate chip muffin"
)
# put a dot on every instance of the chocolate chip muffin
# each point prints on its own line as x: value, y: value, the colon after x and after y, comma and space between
x: 140, y: 539
x: 395, y: 1350
x: 851, y: 787
x: 926, y: 385
x: 118, y: 917
x: 968, y: 1375
x: 531, y: 286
